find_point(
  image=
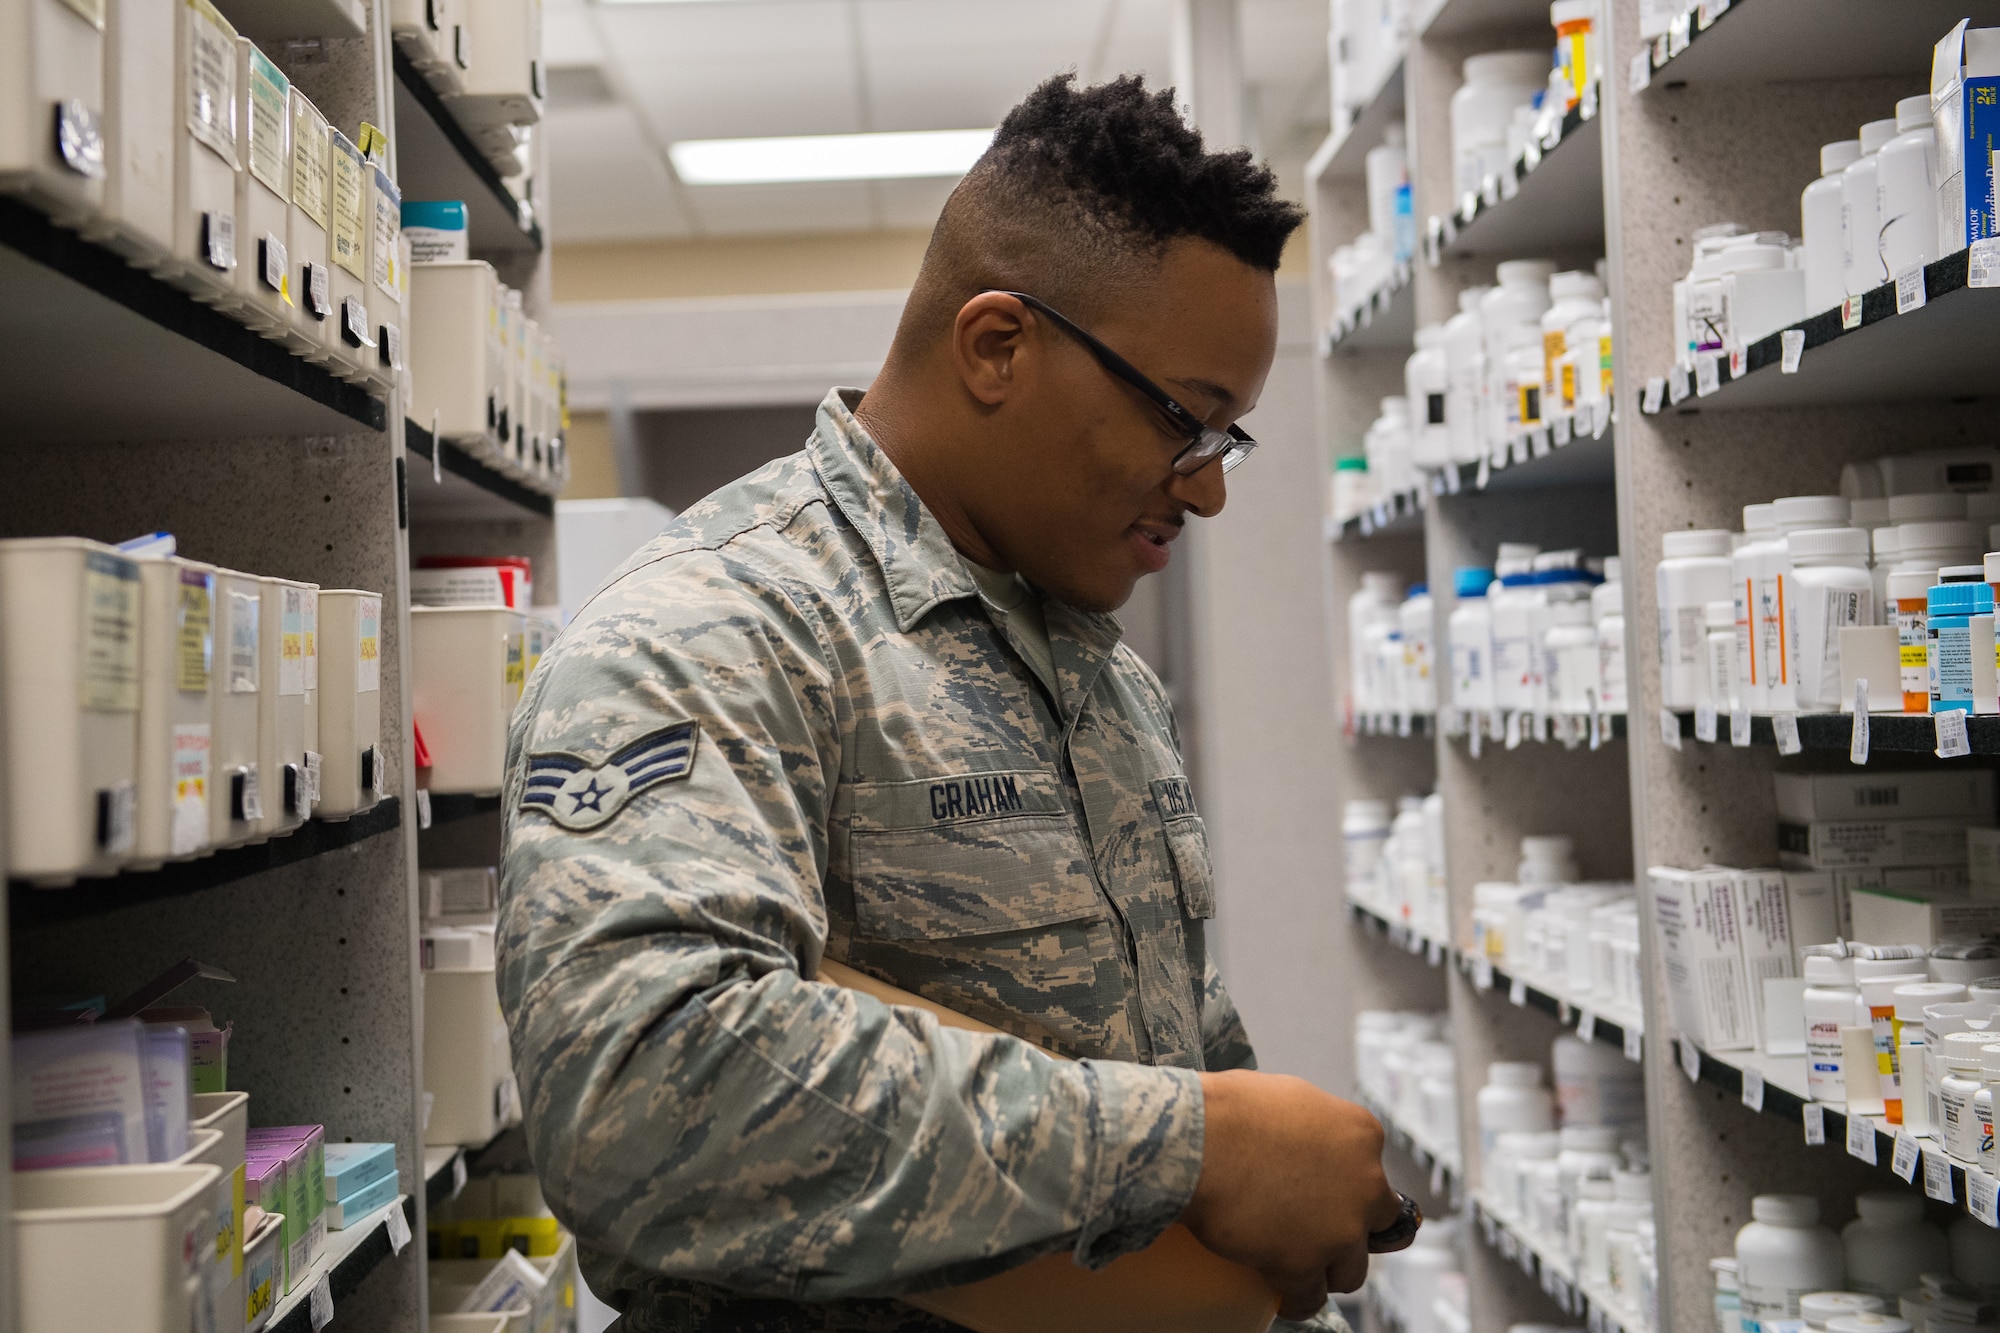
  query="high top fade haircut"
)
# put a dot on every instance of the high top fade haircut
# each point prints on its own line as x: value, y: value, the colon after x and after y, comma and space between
x: 1079, y: 197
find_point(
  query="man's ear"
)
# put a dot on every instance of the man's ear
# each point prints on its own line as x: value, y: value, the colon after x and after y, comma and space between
x: 989, y: 345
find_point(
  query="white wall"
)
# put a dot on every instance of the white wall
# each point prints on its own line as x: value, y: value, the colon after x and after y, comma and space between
x: 1267, y: 729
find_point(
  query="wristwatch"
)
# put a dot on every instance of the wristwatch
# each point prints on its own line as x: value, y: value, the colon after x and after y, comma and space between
x: 1400, y: 1232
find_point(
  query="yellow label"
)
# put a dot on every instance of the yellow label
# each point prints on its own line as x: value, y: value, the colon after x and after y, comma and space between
x: 1918, y: 655
x: 1530, y: 404
x: 258, y: 1302
x: 269, y: 89
x: 196, y: 639
x: 1604, y: 363
x: 350, y: 237
x: 514, y: 674
x: 109, y: 681
x: 236, y: 1181
x: 1552, y: 350
x: 309, y: 166
x: 1569, y: 384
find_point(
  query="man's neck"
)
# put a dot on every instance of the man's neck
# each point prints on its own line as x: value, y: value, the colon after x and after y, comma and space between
x: 901, y: 427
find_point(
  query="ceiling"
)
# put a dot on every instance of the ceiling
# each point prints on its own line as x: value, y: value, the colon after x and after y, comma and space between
x: 628, y: 79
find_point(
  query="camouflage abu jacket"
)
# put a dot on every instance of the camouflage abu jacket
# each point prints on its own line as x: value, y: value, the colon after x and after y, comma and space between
x: 789, y: 729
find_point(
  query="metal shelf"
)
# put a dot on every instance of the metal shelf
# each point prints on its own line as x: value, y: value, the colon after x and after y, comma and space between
x: 1772, y: 41
x: 99, y: 350
x: 461, y: 487
x: 316, y: 837
x: 1559, y: 1282
x: 1461, y: 18
x: 436, y: 159
x: 1386, y: 321
x: 270, y: 21
x: 1625, y: 1031
x: 1888, y: 733
x: 1550, y: 200
x: 449, y: 809
x: 1345, y: 157
x: 352, y: 1253
x: 1941, y: 349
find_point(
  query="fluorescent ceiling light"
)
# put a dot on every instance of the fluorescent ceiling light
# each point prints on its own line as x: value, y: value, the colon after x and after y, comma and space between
x: 828, y: 157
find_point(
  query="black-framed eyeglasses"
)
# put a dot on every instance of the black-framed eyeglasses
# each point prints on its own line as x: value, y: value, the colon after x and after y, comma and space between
x: 1205, y: 443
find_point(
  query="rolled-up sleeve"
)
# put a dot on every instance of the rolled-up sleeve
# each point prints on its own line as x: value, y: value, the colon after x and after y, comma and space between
x: 698, y: 1108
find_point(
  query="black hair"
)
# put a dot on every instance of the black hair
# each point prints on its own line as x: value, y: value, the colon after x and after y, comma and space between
x: 1126, y: 157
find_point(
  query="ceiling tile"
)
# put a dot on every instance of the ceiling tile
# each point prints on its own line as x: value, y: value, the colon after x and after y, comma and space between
x: 569, y: 38
x: 605, y: 181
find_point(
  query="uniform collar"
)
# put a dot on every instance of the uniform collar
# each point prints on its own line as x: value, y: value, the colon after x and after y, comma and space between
x: 920, y: 566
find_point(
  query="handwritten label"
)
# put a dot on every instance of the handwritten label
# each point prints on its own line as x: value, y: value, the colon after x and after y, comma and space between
x: 1791, y: 348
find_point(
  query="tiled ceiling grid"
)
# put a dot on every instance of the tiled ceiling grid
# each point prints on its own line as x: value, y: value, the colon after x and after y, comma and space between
x: 628, y: 79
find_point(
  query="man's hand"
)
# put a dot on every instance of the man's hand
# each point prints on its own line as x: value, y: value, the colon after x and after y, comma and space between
x: 1291, y: 1185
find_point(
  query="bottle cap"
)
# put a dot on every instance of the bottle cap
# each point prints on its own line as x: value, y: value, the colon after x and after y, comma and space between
x: 1869, y: 1323
x: 1786, y: 1210
x: 1926, y: 507
x: 1876, y: 133
x: 1819, y: 1306
x: 1588, y: 1138
x: 1949, y: 535
x: 1795, y: 512
x: 1828, y: 543
x: 1720, y: 615
x: 1905, y: 586
x: 1961, y: 599
x: 1894, y: 1207
x: 1470, y: 581
x: 1694, y: 543
x: 1913, y: 113
x: 1836, y: 156
x: 1759, y: 520
x: 1514, y: 1074
x: 1823, y: 970
x: 1417, y: 590
x: 1992, y: 566
x: 1353, y: 463
x: 1962, y: 574
x: 1911, y: 999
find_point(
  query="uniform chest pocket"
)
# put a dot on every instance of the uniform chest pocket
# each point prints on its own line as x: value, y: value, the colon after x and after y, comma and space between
x: 977, y: 854
x: 1187, y: 845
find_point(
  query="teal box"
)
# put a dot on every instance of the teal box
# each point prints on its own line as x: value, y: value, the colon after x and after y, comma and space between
x: 355, y: 1166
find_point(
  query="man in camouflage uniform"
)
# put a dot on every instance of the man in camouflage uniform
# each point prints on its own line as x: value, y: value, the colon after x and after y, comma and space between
x: 869, y: 705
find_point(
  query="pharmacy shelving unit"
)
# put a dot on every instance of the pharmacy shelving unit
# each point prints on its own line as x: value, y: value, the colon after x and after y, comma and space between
x: 1719, y: 119
x: 131, y: 408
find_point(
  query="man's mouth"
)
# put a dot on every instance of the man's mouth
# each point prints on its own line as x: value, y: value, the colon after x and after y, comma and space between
x: 1149, y: 541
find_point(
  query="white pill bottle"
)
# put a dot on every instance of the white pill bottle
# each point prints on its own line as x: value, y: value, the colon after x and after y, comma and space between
x: 1784, y: 1254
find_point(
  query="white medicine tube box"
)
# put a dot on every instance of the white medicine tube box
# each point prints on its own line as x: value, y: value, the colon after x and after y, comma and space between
x: 1699, y: 937
x: 351, y: 777
x: 385, y: 271
x: 177, y: 672
x: 69, y: 677
x: 351, y: 338
x: 465, y: 676
x: 281, y: 707
x: 263, y: 189
x: 52, y: 105
x: 236, y: 782
x: 454, y: 352
x: 206, y: 245
x: 503, y: 86
x: 137, y: 219
x: 313, y: 321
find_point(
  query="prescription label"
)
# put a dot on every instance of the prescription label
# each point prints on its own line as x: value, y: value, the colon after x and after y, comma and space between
x: 311, y: 596
x: 109, y: 680
x: 349, y: 198
x: 243, y: 610
x: 210, y: 57
x: 188, y: 824
x: 514, y: 673
x: 292, y: 642
x: 194, y: 631
x: 388, y: 231
x: 310, y: 187
x: 369, y: 677
x: 269, y: 91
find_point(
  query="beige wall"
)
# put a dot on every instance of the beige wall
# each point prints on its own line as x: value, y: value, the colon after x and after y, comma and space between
x: 593, y: 470
x: 737, y: 266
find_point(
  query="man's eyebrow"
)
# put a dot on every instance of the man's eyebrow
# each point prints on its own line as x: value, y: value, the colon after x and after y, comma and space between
x: 1209, y: 388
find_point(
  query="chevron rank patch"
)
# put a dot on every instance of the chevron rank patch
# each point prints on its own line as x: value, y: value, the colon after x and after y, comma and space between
x: 581, y: 797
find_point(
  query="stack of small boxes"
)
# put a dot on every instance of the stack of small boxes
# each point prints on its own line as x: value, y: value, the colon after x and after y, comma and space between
x: 287, y: 1175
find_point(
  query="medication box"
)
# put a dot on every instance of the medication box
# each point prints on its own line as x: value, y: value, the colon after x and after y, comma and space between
x: 69, y: 685
x: 466, y: 674
x: 137, y: 219
x: 1963, y: 795
x: 1856, y: 844
x: 52, y: 104
x: 1965, y: 109
x: 1701, y: 948
x: 79, y: 1097
x: 281, y: 706
x: 111, y: 1247
x: 177, y: 629
x: 1763, y: 909
x: 236, y: 792
x: 349, y: 661
x: 352, y: 1166
x: 1885, y: 916
x: 205, y: 252
x: 344, y: 1213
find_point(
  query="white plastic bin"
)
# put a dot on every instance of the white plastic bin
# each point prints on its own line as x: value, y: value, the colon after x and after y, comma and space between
x: 118, y: 1247
x: 52, y: 104
x: 137, y: 219
x: 311, y: 216
x: 466, y: 675
x: 456, y: 373
x: 281, y: 707
x: 207, y: 244
x: 263, y: 192
x: 423, y: 32
x: 385, y: 278
x: 237, y: 788
x: 351, y: 337
x: 177, y: 631
x: 466, y: 1073
x: 503, y: 86
x: 69, y: 683
x: 263, y: 1271
x: 351, y: 777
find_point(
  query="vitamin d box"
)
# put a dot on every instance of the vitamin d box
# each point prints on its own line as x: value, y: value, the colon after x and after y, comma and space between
x: 237, y: 787
x: 309, y: 220
x: 351, y: 777
x: 281, y: 706
x: 1700, y: 940
x: 456, y: 374
x: 69, y: 684
x: 466, y: 673
x: 177, y: 628
x: 206, y: 249
x: 52, y: 105
x: 137, y: 219
x: 263, y: 189
x: 1965, y: 108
